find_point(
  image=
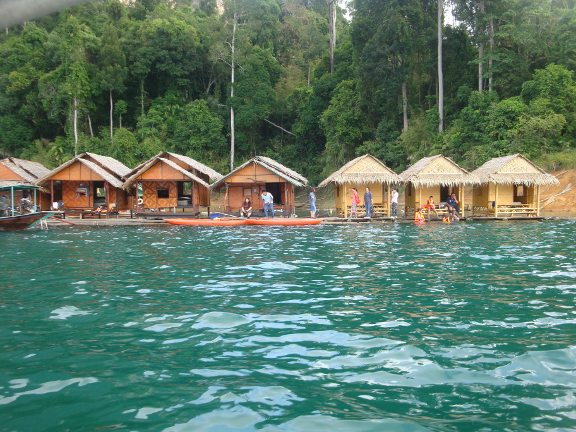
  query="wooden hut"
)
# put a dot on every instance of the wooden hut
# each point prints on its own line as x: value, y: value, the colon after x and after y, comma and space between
x: 435, y: 176
x: 171, y: 180
x: 510, y: 185
x: 88, y: 181
x: 364, y: 171
x: 15, y: 171
x: 258, y: 174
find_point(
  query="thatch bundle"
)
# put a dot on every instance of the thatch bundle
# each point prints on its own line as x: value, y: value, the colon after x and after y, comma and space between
x: 363, y: 170
x: 514, y: 169
x: 438, y: 170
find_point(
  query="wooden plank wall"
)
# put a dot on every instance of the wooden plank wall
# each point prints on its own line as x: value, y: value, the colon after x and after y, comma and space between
x: 150, y: 196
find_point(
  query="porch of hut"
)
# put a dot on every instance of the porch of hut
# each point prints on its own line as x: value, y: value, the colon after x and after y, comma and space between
x: 86, y: 182
x: 364, y: 171
x: 253, y: 177
x: 510, y: 186
x: 19, y: 171
x: 171, y: 182
x: 439, y: 177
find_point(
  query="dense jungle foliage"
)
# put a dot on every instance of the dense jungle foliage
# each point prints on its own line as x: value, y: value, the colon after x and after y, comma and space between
x: 130, y: 79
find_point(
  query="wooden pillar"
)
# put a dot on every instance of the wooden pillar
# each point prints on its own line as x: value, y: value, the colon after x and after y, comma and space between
x: 51, y: 193
x: 537, y: 201
x: 461, y: 199
x: 388, y: 200
x: 419, y: 199
x: 496, y: 201
x: 345, y: 195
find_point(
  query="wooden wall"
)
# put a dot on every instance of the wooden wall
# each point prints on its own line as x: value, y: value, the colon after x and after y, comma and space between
x: 77, y: 171
x: 237, y: 192
x: 150, y: 195
x: 485, y: 195
x: 70, y: 198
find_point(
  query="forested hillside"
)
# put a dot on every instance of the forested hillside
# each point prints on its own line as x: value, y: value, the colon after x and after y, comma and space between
x: 302, y: 83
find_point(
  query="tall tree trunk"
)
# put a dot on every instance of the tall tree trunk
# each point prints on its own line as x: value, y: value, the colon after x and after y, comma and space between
x: 419, y: 81
x: 232, y: 96
x: 111, y: 119
x: 142, y: 96
x: 480, y: 31
x: 6, y: 30
x: 309, y: 67
x: 490, y: 79
x: 332, y: 30
x: 90, y: 126
x: 75, y: 126
x: 440, y: 75
x: 405, y: 106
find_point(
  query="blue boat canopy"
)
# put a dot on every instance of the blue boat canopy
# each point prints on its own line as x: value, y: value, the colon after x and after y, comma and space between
x: 18, y: 187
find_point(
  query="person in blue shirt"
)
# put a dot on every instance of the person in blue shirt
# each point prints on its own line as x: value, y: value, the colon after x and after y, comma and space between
x: 368, y: 202
x: 268, y: 202
x: 312, y: 200
x: 453, y: 207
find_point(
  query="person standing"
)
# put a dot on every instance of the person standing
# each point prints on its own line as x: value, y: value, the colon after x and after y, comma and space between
x: 394, y: 201
x: 312, y: 200
x: 355, y: 202
x: 4, y: 206
x: 368, y: 202
x: 268, y: 202
x: 25, y: 204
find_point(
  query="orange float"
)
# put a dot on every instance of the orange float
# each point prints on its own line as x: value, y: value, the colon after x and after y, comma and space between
x: 284, y: 222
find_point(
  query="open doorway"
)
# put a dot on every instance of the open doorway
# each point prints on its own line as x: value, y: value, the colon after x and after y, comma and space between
x: 276, y: 190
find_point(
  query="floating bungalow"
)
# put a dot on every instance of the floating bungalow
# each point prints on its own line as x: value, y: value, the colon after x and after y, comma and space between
x: 364, y: 171
x: 259, y: 174
x: 88, y: 181
x: 171, y: 180
x: 510, y: 186
x: 435, y: 176
x: 14, y: 171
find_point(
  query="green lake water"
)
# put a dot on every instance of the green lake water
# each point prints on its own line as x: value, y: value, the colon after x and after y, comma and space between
x: 380, y: 327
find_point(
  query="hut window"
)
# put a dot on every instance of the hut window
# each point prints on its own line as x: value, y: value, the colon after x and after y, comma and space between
x: 409, y: 189
x: 187, y: 188
x: 163, y: 193
x: 100, y: 193
x: 337, y: 191
x: 520, y: 190
x: 247, y: 192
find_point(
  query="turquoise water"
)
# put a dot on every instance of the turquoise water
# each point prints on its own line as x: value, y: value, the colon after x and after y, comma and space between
x: 468, y: 327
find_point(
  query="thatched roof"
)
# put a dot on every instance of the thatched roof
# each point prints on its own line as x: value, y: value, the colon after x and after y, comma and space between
x: 111, y: 164
x: 33, y: 170
x: 514, y: 169
x: 437, y: 170
x: 271, y: 165
x: 150, y: 163
x: 363, y: 169
x: 101, y: 165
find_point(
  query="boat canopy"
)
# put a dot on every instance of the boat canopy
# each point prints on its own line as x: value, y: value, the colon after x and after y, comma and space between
x: 18, y: 187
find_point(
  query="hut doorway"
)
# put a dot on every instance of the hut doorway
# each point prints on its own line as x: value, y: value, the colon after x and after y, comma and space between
x: 99, y: 193
x: 276, y: 190
x: 57, y: 188
x: 444, y: 193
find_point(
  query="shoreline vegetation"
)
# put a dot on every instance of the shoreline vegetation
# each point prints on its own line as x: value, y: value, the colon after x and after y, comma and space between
x: 305, y: 83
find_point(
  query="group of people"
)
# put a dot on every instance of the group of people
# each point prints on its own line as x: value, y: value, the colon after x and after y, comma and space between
x: 368, y: 202
x: 451, y: 205
x: 267, y: 198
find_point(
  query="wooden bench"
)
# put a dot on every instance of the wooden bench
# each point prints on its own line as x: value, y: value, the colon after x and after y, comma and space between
x: 82, y: 213
x: 516, y: 209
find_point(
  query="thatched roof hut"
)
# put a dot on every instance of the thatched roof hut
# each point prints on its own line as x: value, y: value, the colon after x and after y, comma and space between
x: 364, y: 169
x: 514, y: 169
x: 254, y: 176
x: 27, y: 170
x: 86, y: 181
x: 437, y: 170
x: 172, y: 180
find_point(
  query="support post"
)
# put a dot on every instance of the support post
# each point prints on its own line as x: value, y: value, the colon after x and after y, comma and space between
x: 496, y: 201
x: 34, y: 200
x: 12, y: 194
x: 345, y: 192
x: 51, y: 194
x: 388, y: 200
x: 537, y: 201
x: 461, y: 199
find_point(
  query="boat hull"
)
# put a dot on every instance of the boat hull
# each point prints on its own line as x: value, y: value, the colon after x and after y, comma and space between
x: 284, y: 222
x: 236, y: 222
x: 20, y: 222
x: 206, y: 222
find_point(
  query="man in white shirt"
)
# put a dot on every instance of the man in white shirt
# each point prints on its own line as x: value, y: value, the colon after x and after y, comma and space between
x: 394, y: 202
x: 268, y: 202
